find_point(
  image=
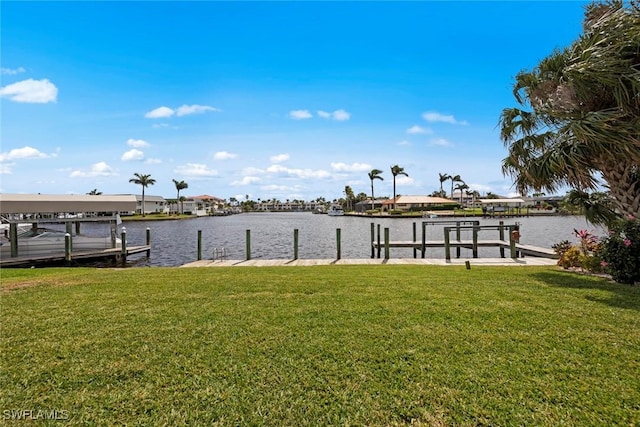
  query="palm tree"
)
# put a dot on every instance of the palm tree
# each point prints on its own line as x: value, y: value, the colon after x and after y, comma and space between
x: 395, y: 171
x: 348, y: 192
x: 180, y: 185
x: 443, y: 178
x: 94, y: 192
x: 581, y: 113
x: 144, y: 181
x: 374, y: 174
x: 596, y: 207
x: 454, y: 179
x: 461, y: 187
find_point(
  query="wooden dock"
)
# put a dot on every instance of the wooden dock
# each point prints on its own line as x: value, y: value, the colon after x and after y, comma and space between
x: 59, y: 258
x: 529, y: 250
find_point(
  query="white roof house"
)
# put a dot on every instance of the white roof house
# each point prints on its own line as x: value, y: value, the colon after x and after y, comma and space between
x: 64, y: 203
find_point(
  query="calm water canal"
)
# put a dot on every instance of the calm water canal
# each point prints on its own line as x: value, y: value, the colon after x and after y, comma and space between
x: 174, y: 243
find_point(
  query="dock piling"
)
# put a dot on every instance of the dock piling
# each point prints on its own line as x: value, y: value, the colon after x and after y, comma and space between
x: 148, y: 242
x: 248, y: 248
x: 339, y: 243
x: 295, y: 243
x: 123, y: 237
x: 386, y: 243
x: 67, y: 248
x: 199, y: 245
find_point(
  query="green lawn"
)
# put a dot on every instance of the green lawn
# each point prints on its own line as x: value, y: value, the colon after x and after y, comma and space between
x: 326, y: 345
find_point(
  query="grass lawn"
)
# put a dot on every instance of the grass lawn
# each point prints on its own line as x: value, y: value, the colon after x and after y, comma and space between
x: 325, y: 345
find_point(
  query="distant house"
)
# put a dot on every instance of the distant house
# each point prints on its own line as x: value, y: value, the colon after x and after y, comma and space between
x: 420, y: 203
x: 152, y: 204
x: 205, y: 204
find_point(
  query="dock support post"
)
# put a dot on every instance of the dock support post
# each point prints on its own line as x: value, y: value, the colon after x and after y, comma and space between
x: 415, y: 237
x: 248, y: 245
x: 13, y: 237
x: 77, y: 223
x: 475, y: 241
x: 295, y: 243
x: 339, y: 243
x: 67, y: 248
x: 148, y: 241
x: 386, y: 243
x: 379, y: 247
x: 501, y: 228
x: 447, y: 247
x: 123, y: 237
x: 458, y: 238
x: 373, y: 239
x: 68, y: 227
x: 199, y: 245
x: 424, y: 238
x: 512, y: 243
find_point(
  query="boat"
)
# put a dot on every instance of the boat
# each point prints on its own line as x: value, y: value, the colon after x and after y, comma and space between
x: 335, y: 210
x: 46, y: 241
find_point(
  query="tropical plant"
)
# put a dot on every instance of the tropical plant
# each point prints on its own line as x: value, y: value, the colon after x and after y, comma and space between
x: 461, y: 187
x: 581, y: 118
x: 180, y: 185
x: 454, y: 179
x: 94, y: 192
x: 348, y: 192
x: 144, y: 181
x: 620, y: 251
x: 395, y: 171
x: 373, y: 175
x: 443, y: 177
x: 596, y: 207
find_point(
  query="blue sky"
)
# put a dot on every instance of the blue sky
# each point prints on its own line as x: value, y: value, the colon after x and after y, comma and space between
x: 286, y: 100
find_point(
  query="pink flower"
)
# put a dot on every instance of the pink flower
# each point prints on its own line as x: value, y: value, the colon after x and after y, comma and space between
x: 627, y: 242
x: 604, y: 264
x: 630, y: 217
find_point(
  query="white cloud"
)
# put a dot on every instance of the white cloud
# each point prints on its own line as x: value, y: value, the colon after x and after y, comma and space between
x: 185, y: 110
x: 159, y: 113
x: 252, y: 171
x: 297, y: 173
x: 274, y: 187
x: 224, y: 155
x: 339, y: 115
x: 23, y: 153
x: 195, y: 170
x: 152, y: 161
x: 12, y: 71
x: 97, y: 169
x: 279, y: 158
x: 440, y: 142
x: 353, y: 167
x: 247, y: 180
x: 300, y: 114
x: 433, y: 116
x: 131, y: 155
x: 6, y: 168
x: 404, y: 180
x: 160, y: 125
x: 137, y: 143
x: 415, y: 129
x: 32, y: 91
x: 404, y: 142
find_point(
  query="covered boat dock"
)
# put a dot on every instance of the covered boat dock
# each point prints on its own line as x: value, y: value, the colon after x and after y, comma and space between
x: 19, y: 211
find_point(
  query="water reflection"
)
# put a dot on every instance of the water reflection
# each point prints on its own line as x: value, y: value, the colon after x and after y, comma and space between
x: 272, y: 234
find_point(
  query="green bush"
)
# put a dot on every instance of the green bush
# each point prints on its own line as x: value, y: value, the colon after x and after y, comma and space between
x: 620, y: 251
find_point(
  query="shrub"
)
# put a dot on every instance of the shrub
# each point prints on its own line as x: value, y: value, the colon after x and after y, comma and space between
x: 620, y: 251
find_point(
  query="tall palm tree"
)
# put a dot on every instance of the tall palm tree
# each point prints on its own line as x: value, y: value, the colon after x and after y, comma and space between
x: 144, y: 181
x: 395, y: 171
x: 454, y: 179
x: 180, y: 185
x: 374, y: 174
x: 348, y: 192
x: 443, y: 178
x: 578, y: 126
x: 461, y: 187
